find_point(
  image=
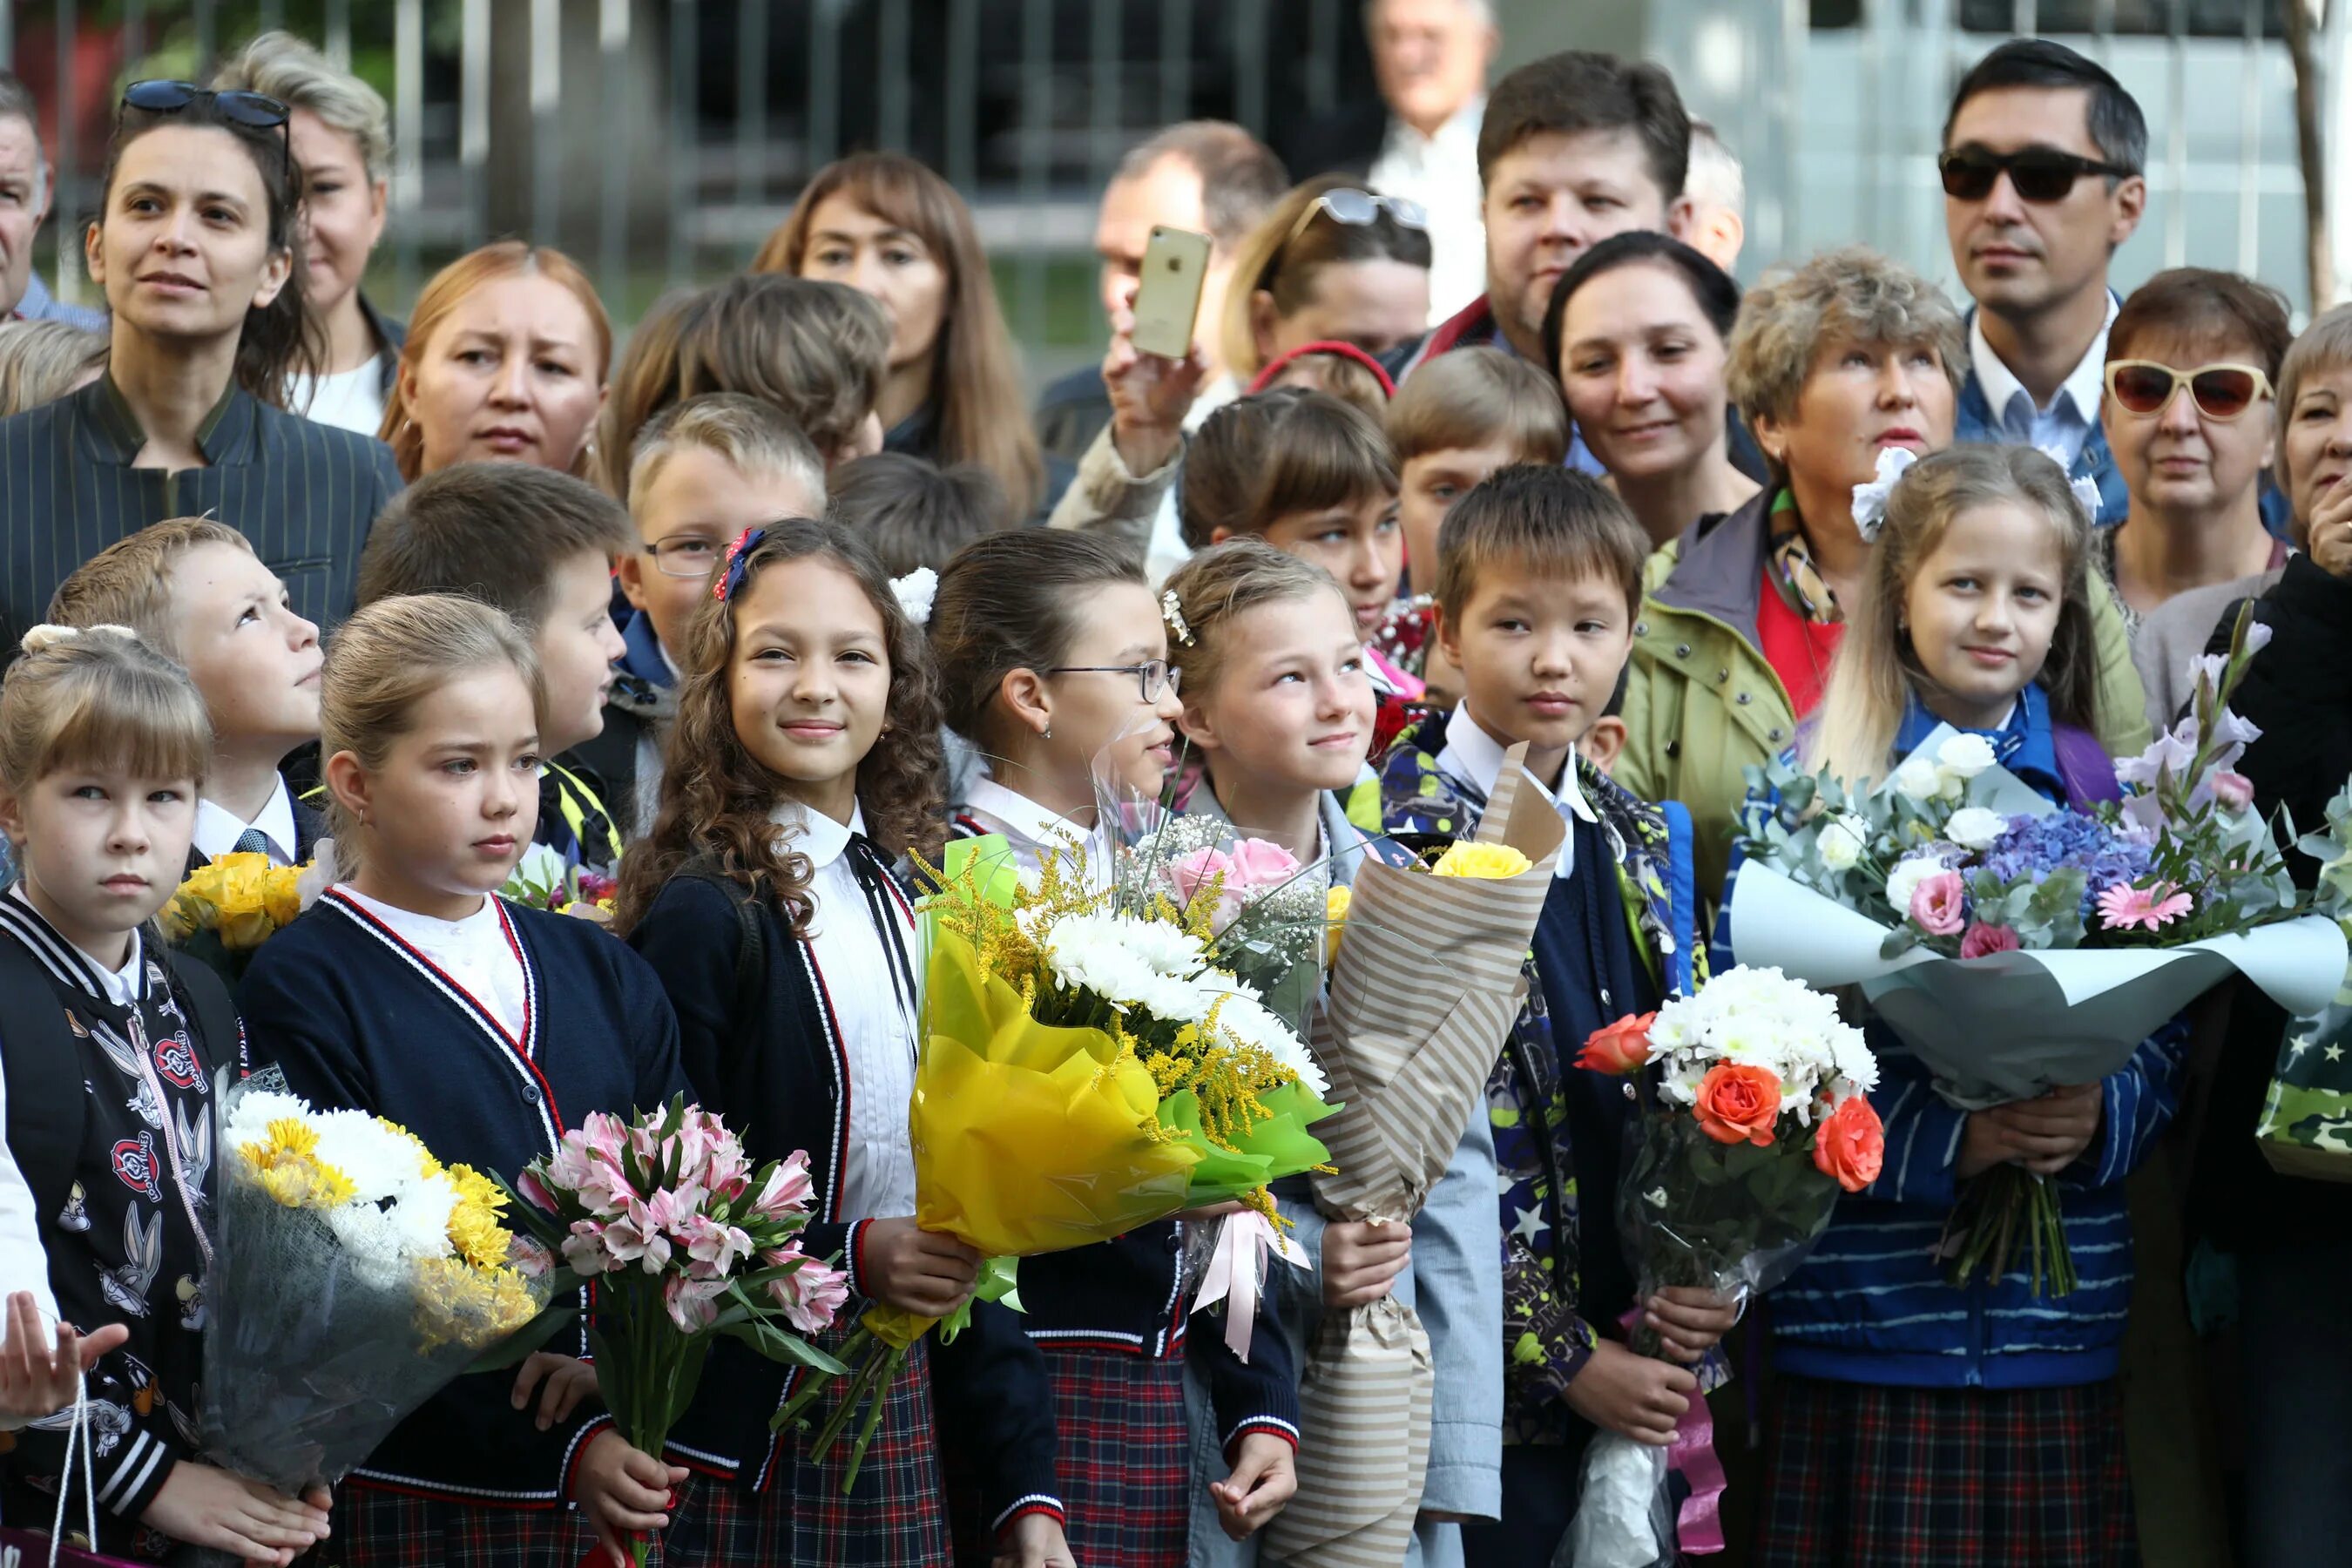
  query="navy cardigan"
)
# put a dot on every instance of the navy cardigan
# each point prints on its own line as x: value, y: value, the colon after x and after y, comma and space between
x: 760, y: 1048
x: 357, y: 1017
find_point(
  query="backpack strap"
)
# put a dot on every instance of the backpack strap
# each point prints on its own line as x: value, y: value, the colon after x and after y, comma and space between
x: 47, y: 1105
x: 2084, y: 766
x: 204, y: 996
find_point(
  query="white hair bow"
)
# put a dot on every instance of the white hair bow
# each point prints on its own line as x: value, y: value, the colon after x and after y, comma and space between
x: 1870, y: 500
x: 47, y: 636
x: 2086, y: 489
x: 914, y: 592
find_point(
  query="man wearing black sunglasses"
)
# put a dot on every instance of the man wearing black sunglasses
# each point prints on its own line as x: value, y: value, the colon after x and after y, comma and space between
x: 2041, y: 169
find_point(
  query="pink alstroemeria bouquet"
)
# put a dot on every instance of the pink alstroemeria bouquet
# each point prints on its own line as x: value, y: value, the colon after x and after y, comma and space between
x: 682, y: 1241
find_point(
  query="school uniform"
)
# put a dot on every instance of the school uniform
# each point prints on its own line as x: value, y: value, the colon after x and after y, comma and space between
x: 1113, y: 1321
x: 808, y: 1043
x: 1453, y: 1283
x: 110, y: 1116
x: 1919, y: 1422
x: 1615, y: 937
x: 286, y: 830
x: 488, y: 1038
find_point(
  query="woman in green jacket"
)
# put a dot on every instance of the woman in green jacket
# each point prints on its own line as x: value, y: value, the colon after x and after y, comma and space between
x: 1834, y: 363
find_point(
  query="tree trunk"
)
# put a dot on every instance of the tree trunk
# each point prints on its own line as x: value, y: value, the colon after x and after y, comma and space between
x: 2304, y: 18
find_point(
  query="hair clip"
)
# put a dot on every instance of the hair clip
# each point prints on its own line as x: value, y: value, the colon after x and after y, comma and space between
x: 1172, y: 612
x: 730, y: 573
x: 1870, y: 500
x: 914, y: 592
x: 47, y: 636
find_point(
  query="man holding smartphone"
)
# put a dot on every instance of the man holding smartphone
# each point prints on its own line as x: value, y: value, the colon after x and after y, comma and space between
x: 1203, y: 176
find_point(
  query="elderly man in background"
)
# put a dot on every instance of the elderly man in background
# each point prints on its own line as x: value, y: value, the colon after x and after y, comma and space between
x: 25, y: 195
x: 1204, y: 175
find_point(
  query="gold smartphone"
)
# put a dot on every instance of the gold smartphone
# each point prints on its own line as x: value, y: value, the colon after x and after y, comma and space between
x: 1168, y: 294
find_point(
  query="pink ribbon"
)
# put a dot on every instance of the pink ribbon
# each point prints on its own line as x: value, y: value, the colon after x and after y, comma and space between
x: 1236, y: 1272
x: 1699, y: 1526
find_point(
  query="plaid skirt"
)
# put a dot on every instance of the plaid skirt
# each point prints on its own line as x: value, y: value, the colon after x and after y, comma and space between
x: 1124, y: 1455
x: 894, y: 1515
x: 1931, y: 1478
x: 378, y: 1529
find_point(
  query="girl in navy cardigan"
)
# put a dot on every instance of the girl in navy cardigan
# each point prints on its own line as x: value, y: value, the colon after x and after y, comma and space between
x: 1919, y: 1421
x: 1054, y: 657
x: 410, y: 991
x: 802, y: 765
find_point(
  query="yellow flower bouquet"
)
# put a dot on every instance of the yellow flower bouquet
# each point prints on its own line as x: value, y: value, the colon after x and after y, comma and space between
x: 1085, y: 1070
x: 225, y: 910
x: 352, y: 1276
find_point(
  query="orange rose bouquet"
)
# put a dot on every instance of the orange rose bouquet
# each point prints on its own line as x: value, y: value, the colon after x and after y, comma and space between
x: 1755, y: 1114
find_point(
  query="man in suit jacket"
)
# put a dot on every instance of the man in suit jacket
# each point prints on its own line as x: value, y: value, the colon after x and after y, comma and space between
x: 1420, y: 140
x: 1204, y: 175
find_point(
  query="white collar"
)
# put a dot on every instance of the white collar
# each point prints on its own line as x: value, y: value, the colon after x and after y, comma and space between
x: 1024, y: 817
x: 122, y: 987
x: 821, y: 838
x: 218, y: 829
x: 1459, y: 130
x: 429, y: 933
x: 1478, y: 760
x: 2083, y: 383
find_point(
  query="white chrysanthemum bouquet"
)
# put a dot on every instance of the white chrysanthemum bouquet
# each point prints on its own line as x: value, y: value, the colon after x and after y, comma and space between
x: 354, y: 1275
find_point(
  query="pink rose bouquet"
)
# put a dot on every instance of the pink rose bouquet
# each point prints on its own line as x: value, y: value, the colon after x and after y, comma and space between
x: 684, y: 1241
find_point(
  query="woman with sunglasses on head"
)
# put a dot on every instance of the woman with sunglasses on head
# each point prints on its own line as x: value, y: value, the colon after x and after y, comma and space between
x: 198, y: 245
x: 1331, y: 262
x: 342, y: 134
x: 892, y: 229
x: 2191, y: 414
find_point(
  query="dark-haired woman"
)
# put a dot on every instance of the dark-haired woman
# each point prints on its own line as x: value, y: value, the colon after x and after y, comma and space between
x: 197, y: 246
x: 1639, y: 333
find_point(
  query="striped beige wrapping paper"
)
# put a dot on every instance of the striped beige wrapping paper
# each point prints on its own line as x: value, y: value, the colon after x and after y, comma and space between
x: 1428, y: 981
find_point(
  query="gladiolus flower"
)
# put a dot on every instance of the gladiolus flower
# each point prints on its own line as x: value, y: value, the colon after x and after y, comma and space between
x: 2234, y: 791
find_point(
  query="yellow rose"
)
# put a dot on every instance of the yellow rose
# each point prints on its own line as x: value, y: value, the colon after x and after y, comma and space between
x: 281, y: 894
x: 1485, y: 862
x: 1335, y: 920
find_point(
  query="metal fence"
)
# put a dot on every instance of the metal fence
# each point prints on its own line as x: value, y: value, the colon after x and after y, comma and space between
x: 661, y: 139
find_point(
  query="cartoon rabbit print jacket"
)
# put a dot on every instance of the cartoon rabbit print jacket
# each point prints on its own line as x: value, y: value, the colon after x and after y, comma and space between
x: 124, y: 1237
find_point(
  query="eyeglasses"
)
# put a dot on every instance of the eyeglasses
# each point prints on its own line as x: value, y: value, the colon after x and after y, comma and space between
x: 2220, y: 391
x: 1356, y: 209
x: 256, y: 109
x: 1152, y: 677
x: 2036, y: 173
x: 686, y: 555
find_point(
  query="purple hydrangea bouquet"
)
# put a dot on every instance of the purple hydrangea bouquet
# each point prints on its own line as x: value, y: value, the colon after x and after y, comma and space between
x: 2015, y: 946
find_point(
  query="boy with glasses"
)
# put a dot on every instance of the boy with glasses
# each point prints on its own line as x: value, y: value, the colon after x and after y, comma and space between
x: 2042, y: 161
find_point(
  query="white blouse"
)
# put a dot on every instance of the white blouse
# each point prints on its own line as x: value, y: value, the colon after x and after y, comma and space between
x: 473, y: 952
x: 1032, y: 831
x: 870, y: 971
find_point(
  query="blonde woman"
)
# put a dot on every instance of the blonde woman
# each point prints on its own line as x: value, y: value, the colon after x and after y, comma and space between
x: 342, y: 136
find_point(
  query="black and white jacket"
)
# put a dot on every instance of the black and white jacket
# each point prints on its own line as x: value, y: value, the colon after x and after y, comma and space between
x: 110, y: 1084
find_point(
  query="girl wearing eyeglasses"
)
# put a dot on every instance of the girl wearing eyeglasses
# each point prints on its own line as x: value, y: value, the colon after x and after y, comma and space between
x: 198, y: 246
x: 2192, y: 416
x: 1053, y: 653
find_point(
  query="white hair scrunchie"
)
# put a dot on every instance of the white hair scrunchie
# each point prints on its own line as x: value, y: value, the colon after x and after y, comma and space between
x: 1870, y: 500
x: 47, y: 636
x: 914, y: 592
